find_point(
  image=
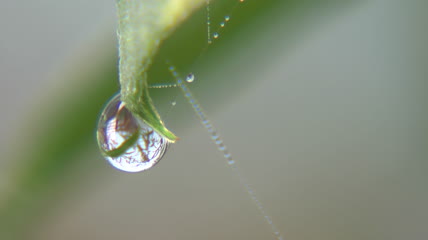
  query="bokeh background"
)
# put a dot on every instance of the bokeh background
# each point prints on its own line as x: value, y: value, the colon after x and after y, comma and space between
x: 323, y: 105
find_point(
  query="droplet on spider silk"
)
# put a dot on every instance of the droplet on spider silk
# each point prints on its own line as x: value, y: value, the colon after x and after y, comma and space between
x: 125, y: 141
x: 190, y: 77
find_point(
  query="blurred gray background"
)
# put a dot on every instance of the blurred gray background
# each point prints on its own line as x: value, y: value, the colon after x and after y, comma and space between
x: 332, y: 135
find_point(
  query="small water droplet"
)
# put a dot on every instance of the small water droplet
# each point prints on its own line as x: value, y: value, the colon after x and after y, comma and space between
x: 190, y: 77
x: 227, y: 18
x: 222, y: 24
x: 216, y: 35
x: 173, y: 103
x: 127, y: 142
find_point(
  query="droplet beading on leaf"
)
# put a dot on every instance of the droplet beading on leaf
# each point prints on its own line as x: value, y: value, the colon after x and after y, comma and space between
x: 125, y: 141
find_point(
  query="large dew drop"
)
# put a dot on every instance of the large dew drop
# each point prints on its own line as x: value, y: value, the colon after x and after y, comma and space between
x: 127, y: 142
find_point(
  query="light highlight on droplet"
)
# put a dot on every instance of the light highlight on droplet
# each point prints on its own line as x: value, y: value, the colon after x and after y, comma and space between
x: 190, y: 77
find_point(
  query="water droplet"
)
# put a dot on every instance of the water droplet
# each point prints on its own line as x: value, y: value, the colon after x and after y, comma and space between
x: 190, y: 77
x: 222, y: 24
x: 127, y: 142
x: 173, y: 103
x: 216, y: 35
x: 227, y: 18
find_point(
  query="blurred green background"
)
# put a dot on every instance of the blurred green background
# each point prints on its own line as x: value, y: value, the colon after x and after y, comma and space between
x: 323, y: 105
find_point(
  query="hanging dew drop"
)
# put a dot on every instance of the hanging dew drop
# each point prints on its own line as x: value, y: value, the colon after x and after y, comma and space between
x: 127, y: 142
x: 190, y: 77
x: 222, y: 24
x: 227, y: 18
x: 216, y: 35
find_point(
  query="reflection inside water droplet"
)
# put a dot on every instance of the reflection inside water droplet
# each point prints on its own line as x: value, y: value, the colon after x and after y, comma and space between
x: 127, y: 142
x: 190, y: 77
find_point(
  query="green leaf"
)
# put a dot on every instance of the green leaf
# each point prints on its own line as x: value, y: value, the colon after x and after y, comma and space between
x: 143, y: 25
